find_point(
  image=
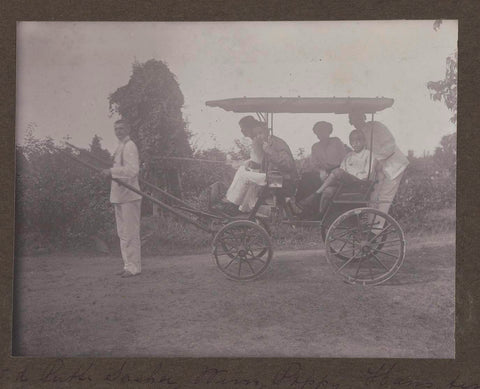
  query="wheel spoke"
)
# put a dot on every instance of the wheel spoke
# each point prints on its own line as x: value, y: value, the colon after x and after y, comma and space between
x: 344, y: 251
x: 229, y: 263
x: 380, y: 262
x: 341, y: 235
x: 388, y: 242
x: 358, y: 267
x: 347, y: 262
x: 341, y: 248
x: 384, y: 252
x: 239, y: 267
x: 258, y: 259
x: 381, y: 233
x: 250, y: 266
x: 370, y: 270
x: 346, y: 241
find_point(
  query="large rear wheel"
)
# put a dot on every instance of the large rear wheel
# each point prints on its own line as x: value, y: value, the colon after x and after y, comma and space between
x: 365, y: 246
x: 242, y: 250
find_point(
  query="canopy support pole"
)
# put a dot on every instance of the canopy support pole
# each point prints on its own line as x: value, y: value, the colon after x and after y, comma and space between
x: 371, y: 148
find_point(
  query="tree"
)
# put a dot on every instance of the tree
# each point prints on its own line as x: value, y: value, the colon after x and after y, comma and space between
x: 446, y: 89
x: 151, y: 102
x: 97, y: 150
x: 445, y: 157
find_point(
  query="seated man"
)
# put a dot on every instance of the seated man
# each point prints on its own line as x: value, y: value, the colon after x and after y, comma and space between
x: 353, y: 170
x: 243, y: 192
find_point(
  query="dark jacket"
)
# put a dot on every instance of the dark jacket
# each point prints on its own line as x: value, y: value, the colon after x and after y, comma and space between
x: 279, y: 157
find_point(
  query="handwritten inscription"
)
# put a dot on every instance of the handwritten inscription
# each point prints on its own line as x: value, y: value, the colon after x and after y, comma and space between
x: 289, y: 375
x: 294, y: 376
x: 213, y: 376
x: 384, y: 376
x: 58, y: 372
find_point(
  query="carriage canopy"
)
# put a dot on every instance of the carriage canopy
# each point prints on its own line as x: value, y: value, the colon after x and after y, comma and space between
x: 337, y: 105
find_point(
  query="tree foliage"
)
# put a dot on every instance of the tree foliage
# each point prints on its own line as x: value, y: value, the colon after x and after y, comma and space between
x: 428, y: 188
x: 152, y: 103
x: 58, y: 202
x: 446, y: 90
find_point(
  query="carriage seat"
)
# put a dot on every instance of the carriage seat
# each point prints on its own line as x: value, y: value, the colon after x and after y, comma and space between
x: 358, y: 192
x: 281, y: 185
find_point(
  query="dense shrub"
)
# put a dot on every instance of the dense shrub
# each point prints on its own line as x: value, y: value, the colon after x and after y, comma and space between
x: 58, y: 202
x: 428, y: 189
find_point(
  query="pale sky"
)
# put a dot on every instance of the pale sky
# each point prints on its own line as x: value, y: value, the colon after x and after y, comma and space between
x: 66, y: 71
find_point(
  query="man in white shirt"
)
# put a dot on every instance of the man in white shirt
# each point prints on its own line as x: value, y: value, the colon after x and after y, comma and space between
x: 391, y: 161
x: 126, y: 202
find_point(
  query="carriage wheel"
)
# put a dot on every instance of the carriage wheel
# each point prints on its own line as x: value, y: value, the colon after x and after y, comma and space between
x: 365, y: 246
x: 344, y: 257
x: 242, y: 250
x: 324, y: 229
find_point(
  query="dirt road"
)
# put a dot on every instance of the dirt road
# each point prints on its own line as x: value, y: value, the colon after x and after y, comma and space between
x: 183, y: 306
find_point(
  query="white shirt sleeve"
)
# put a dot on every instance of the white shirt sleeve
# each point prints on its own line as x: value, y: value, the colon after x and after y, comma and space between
x: 130, y: 166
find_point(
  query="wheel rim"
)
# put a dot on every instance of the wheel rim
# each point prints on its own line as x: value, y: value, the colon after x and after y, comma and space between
x: 365, y: 246
x: 242, y: 250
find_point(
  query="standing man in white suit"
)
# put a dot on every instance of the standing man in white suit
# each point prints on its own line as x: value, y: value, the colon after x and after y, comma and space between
x: 391, y: 161
x: 126, y: 202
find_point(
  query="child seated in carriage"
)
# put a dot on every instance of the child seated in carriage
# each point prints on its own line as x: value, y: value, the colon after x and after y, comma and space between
x: 353, y: 170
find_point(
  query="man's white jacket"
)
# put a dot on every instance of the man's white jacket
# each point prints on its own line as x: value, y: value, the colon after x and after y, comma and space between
x: 126, y: 168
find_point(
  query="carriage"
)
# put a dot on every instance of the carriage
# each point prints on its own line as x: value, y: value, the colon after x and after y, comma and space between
x: 362, y: 244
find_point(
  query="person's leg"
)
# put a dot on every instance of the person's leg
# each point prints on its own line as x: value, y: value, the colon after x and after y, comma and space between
x: 250, y: 198
x: 308, y: 183
x: 119, y: 220
x: 238, y: 187
x: 387, y: 192
x: 244, y: 189
x: 327, y: 195
x: 132, y: 234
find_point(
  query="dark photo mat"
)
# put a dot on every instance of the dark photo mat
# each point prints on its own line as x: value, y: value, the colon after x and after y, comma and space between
x: 263, y: 372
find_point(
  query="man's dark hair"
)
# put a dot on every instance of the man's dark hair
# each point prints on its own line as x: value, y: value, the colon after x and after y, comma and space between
x: 358, y: 114
x: 358, y: 133
x: 249, y: 122
x: 322, y: 126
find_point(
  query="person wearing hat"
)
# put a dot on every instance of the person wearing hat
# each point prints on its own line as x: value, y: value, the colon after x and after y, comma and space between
x: 391, y: 161
x: 327, y: 154
x: 270, y: 153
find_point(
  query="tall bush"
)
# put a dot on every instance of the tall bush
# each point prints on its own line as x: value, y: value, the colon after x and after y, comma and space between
x: 58, y: 202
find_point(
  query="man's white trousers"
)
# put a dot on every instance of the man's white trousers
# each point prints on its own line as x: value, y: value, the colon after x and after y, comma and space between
x: 127, y: 216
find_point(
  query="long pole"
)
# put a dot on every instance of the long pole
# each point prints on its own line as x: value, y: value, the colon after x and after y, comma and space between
x: 145, y: 195
x: 371, y: 149
x: 143, y: 182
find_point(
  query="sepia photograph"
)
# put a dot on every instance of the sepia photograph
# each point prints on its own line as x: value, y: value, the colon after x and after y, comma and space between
x: 236, y: 189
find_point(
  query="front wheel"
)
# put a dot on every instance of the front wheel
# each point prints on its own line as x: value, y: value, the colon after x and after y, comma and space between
x: 242, y: 250
x: 365, y: 246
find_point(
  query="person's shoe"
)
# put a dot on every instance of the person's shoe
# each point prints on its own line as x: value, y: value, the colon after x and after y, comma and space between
x: 296, y: 210
x: 127, y: 274
x: 120, y: 273
x: 227, y: 208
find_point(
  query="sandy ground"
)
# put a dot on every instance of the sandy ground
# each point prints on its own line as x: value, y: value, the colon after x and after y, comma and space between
x: 183, y: 306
